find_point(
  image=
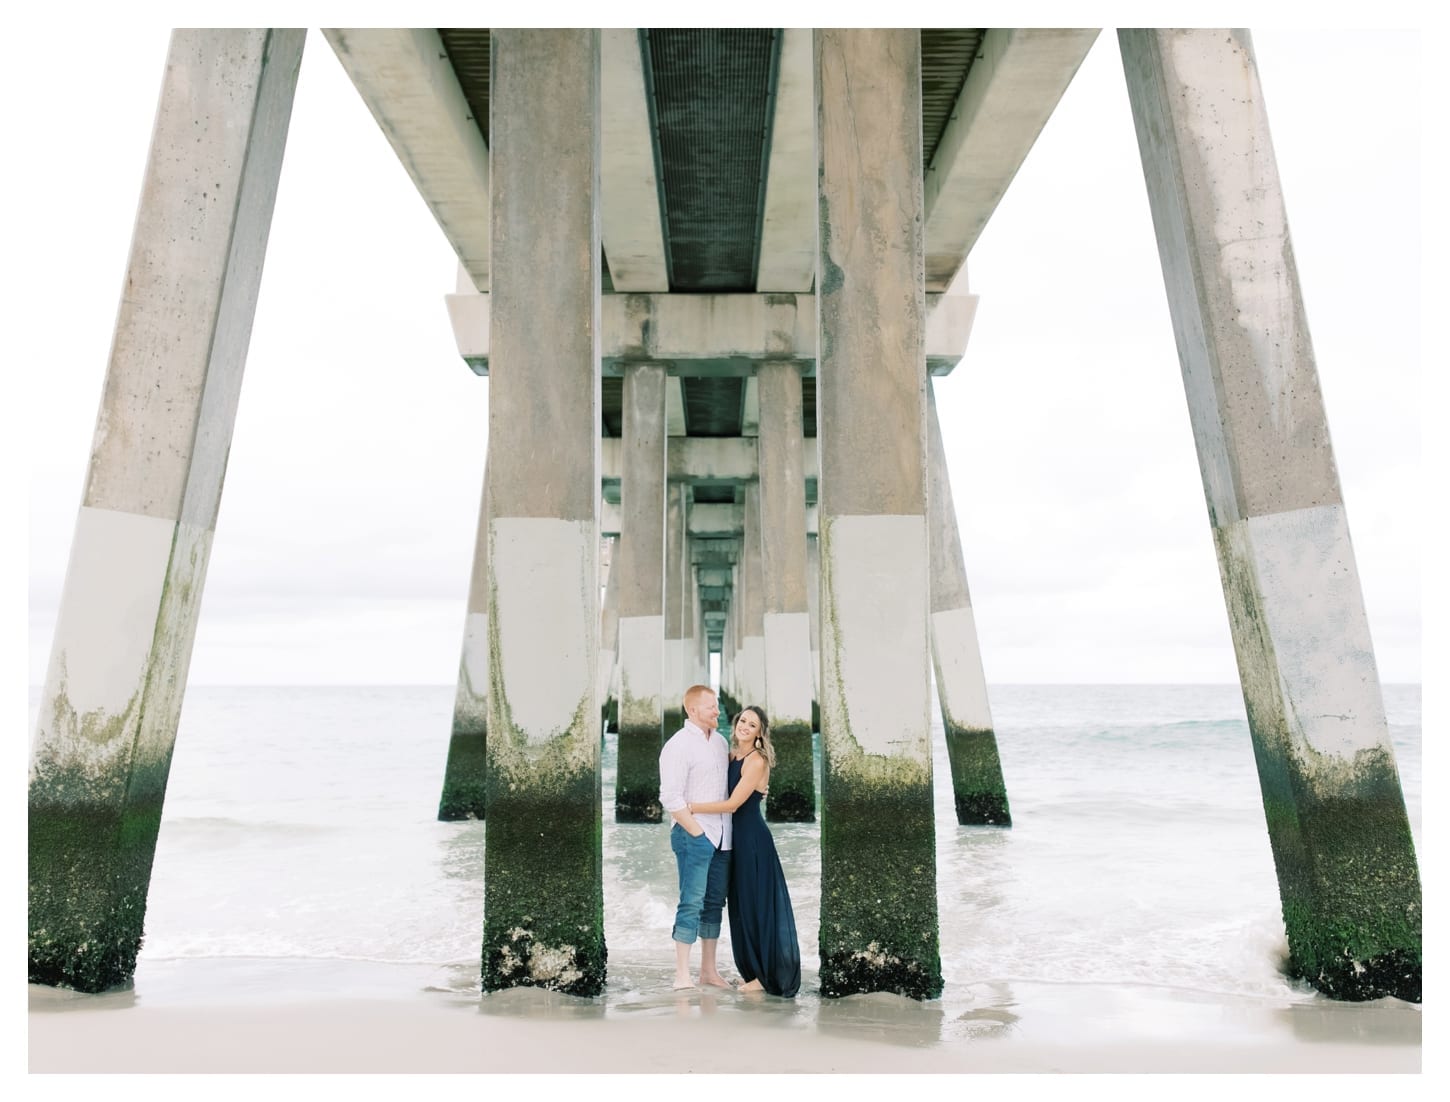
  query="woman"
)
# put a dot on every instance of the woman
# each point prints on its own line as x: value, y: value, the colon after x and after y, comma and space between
x: 762, y: 924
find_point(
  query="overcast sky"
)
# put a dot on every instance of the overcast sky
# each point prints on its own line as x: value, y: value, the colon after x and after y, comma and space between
x: 346, y: 529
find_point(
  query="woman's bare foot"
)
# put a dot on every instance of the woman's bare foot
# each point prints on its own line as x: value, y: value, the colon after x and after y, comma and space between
x: 753, y: 985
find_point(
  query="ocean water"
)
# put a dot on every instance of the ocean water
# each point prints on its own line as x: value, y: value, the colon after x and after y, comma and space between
x: 299, y: 830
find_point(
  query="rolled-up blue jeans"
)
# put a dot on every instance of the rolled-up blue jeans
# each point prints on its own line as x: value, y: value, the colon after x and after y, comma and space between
x: 704, y: 876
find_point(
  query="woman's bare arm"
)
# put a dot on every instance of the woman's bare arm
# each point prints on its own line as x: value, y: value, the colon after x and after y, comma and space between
x: 751, y: 774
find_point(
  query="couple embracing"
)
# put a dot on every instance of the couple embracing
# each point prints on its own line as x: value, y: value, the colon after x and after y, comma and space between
x: 713, y: 791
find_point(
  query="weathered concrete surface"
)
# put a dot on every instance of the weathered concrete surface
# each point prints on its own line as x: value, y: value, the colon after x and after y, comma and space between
x: 707, y: 459
x: 128, y: 613
x: 978, y: 790
x: 629, y: 200
x: 609, y: 642
x: 1013, y: 86
x: 543, y: 889
x: 405, y: 78
x: 676, y: 574
x: 465, y: 774
x: 717, y: 335
x: 878, y: 851
x: 788, y: 224
x: 1348, y: 876
x: 641, y: 570
x: 750, y: 597
x: 786, y: 612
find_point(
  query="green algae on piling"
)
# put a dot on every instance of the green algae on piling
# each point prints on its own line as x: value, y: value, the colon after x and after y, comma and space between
x: 792, y: 796
x: 978, y: 790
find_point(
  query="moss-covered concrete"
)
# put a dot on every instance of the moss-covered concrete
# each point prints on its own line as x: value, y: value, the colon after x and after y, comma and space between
x: 674, y: 719
x: 729, y: 706
x: 1348, y: 877
x: 464, y: 780
x: 792, y: 796
x: 543, y: 880
x: 637, y: 776
x: 879, y: 929
x: 90, y: 869
x: 543, y: 898
x: 978, y: 790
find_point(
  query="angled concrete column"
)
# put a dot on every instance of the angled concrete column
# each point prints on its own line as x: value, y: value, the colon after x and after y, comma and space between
x: 128, y: 612
x: 1348, y: 876
x: 609, y: 642
x: 543, y: 904
x: 961, y: 685
x: 788, y: 689
x: 676, y: 574
x: 641, y: 569
x: 750, y: 657
x: 465, y: 774
x: 878, y: 851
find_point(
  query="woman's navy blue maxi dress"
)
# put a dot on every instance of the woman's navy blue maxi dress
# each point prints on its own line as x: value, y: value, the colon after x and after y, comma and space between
x: 762, y: 924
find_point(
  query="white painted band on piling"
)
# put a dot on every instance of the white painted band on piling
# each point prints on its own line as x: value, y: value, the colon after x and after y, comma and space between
x: 108, y: 608
x: 788, y: 682
x: 877, y: 569
x: 1310, y: 599
x: 750, y: 670
x: 641, y: 669
x: 957, y: 659
x: 471, y: 701
x: 548, y: 620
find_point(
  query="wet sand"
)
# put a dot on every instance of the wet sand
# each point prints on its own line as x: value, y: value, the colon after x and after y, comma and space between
x: 269, y: 1016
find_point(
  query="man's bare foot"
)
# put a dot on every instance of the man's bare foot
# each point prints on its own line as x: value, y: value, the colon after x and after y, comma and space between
x: 715, y: 979
x: 683, y: 983
x: 753, y: 985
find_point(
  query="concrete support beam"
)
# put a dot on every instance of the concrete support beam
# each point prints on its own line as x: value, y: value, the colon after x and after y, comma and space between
x: 878, y: 887
x: 1012, y: 87
x: 634, y: 239
x: 609, y: 643
x: 544, y: 891
x: 465, y: 774
x: 676, y: 574
x: 711, y: 519
x: 128, y: 611
x: 978, y: 791
x: 715, y: 459
x: 750, y: 655
x: 788, y: 223
x: 408, y: 83
x: 641, y: 569
x: 786, y: 612
x: 813, y: 601
x: 1348, y: 876
x: 714, y: 335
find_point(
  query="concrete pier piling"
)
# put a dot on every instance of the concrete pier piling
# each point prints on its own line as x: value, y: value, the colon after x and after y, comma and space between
x: 750, y: 575
x: 464, y: 775
x: 609, y: 643
x: 641, y: 568
x: 543, y: 922
x: 677, y: 550
x: 128, y: 613
x: 1348, y: 877
x: 878, y: 854
x: 978, y: 790
x: 788, y: 684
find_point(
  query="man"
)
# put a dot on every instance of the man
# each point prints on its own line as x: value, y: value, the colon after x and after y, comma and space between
x: 694, y: 766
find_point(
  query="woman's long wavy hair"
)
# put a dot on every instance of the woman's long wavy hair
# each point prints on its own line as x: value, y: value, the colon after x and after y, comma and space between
x: 762, y: 740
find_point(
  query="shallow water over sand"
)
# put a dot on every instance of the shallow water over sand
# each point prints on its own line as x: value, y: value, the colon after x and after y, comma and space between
x: 1135, y: 891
